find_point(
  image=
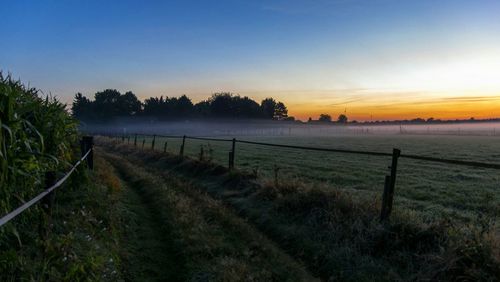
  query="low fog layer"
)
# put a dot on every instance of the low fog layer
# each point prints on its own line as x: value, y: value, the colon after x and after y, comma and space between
x: 274, y: 128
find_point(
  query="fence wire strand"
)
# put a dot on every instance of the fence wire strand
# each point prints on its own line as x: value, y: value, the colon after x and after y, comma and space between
x: 40, y: 196
x: 407, y: 156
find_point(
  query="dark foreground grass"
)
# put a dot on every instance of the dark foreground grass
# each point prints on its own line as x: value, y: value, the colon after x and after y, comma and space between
x: 82, y: 235
x: 200, y: 240
x: 337, y: 236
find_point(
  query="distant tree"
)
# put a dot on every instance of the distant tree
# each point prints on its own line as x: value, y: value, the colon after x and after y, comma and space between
x: 325, y: 118
x: 169, y: 108
x: 342, y: 119
x: 184, y: 107
x: 310, y: 119
x: 418, y: 120
x: 128, y: 104
x: 280, y: 112
x: 268, y: 107
x: 289, y: 118
x: 202, y: 109
x: 110, y: 103
x: 221, y: 105
x: 246, y: 107
x: 228, y: 105
x: 154, y: 106
x: 82, y: 107
x: 106, y: 104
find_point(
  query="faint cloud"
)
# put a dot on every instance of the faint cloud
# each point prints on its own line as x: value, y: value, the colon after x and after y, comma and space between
x: 472, y: 99
x: 306, y: 6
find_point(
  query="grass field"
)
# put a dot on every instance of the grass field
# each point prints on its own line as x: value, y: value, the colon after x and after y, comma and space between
x: 431, y: 189
x: 337, y: 237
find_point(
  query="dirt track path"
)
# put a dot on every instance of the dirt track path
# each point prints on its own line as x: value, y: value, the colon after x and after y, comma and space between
x: 149, y: 253
x: 174, y: 233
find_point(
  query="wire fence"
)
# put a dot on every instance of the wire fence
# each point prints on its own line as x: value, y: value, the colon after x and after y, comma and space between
x: 389, y: 180
x: 87, y: 154
x: 361, y: 152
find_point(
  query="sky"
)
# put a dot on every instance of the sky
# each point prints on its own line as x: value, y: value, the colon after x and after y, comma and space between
x: 372, y: 59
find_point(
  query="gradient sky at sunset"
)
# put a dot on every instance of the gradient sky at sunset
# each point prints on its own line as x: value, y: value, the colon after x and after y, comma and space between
x: 380, y: 59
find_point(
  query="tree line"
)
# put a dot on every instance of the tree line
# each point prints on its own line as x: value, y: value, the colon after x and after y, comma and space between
x: 110, y: 104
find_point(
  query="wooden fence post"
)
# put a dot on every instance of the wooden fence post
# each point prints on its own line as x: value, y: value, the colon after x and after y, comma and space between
x: 47, y: 204
x: 181, y: 153
x: 389, y: 185
x: 384, y: 213
x: 48, y: 201
x: 165, y: 147
x: 143, y: 141
x: 86, y: 144
x: 153, y: 142
x: 135, y: 140
x: 231, y: 154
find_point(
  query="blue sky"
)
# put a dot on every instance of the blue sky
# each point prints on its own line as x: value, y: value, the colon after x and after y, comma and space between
x: 317, y: 56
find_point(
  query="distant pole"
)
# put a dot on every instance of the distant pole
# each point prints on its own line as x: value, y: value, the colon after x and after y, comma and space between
x: 153, y: 142
x: 181, y: 153
x: 143, y: 141
x: 135, y: 140
x: 165, y: 147
x: 390, y: 183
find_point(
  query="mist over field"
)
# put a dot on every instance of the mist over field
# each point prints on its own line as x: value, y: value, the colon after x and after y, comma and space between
x: 272, y: 128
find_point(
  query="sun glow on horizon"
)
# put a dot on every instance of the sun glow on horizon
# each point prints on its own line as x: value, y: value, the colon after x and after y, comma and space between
x: 375, y: 59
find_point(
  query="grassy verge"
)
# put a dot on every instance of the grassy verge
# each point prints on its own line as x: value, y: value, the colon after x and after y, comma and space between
x: 82, y: 242
x: 338, y: 237
x: 208, y: 241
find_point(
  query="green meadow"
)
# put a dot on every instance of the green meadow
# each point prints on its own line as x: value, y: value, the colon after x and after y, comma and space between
x: 430, y: 189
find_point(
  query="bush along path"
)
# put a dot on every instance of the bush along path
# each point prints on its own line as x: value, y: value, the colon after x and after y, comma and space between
x: 173, y: 232
x: 336, y: 236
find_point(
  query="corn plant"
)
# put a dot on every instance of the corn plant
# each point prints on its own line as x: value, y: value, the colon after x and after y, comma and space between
x: 36, y: 135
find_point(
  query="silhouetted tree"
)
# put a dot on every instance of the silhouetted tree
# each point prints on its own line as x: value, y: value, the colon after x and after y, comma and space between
x: 82, y: 107
x: 106, y: 104
x: 183, y: 107
x: 220, y: 105
x: 246, y: 108
x: 202, y: 109
x: 128, y: 104
x: 268, y: 107
x: 110, y: 103
x: 325, y: 118
x: 342, y: 119
x: 153, y: 107
x: 280, y: 112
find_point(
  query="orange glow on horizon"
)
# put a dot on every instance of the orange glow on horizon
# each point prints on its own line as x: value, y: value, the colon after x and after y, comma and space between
x: 446, y: 109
